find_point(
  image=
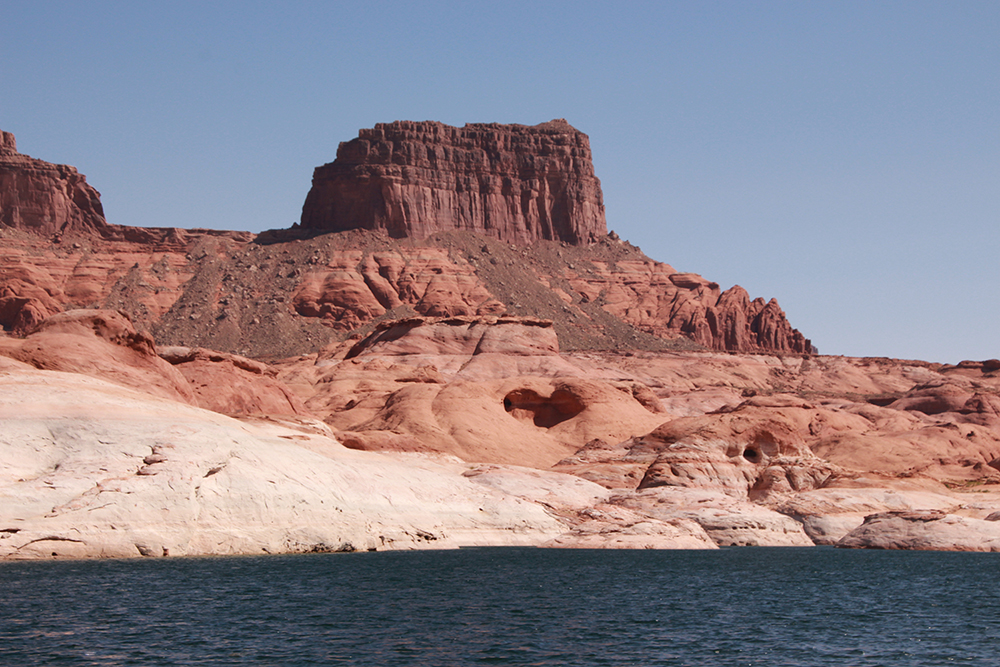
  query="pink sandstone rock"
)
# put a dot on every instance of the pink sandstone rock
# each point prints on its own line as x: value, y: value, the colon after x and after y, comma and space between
x: 516, y: 183
x: 103, y: 344
x: 231, y: 384
x: 518, y: 336
x: 924, y: 530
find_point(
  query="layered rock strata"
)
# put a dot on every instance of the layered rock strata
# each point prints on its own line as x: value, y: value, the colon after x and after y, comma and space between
x: 460, y: 358
x: 45, y: 198
x: 515, y: 183
x: 279, y: 294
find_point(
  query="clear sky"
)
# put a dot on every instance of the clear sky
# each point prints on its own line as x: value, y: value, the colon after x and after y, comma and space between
x: 842, y: 157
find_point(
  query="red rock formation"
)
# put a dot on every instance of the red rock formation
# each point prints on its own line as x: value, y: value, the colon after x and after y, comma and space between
x: 653, y: 297
x: 355, y: 287
x: 45, y: 198
x: 519, y: 184
x: 515, y: 336
x: 742, y: 325
x: 512, y: 182
x: 102, y: 344
x: 770, y: 450
x: 51, y: 200
x: 219, y: 292
x: 231, y: 384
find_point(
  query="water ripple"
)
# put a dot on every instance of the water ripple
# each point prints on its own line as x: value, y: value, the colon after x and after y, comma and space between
x: 775, y: 607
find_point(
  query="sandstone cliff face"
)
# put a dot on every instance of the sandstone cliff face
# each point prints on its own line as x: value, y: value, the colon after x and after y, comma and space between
x: 526, y: 195
x: 512, y: 182
x: 655, y: 298
x: 45, y: 198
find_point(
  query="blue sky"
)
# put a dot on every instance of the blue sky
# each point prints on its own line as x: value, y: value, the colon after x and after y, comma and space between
x: 842, y: 157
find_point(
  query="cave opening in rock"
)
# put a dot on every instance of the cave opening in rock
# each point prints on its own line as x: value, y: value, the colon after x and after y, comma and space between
x: 542, y: 411
x: 751, y: 455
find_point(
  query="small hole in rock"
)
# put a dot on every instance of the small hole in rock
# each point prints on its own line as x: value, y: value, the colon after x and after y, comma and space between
x: 542, y: 411
x: 751, y: 455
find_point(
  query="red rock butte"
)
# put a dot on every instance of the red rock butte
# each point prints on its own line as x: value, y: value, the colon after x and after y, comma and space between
x: 46, y: 198
x: 516, y: 183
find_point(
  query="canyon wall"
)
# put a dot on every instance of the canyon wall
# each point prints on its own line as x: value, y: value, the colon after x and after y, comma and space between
x: 516, y: 183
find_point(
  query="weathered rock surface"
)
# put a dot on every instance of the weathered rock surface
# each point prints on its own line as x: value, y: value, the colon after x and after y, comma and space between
x: 455, y: 359
x: 599, y: 519
x: 828, y: 514
x: 924, y: 530
x: 102, y: 344
x: 231, y: 384
x: 45, y: 198
x: 220, y: 292
x: 478, y: 388
x: 759, y: 451
x: 728, y: 521
x: 105, y: 344
x: 515, y: 183
x: 466, y: 336
x: 93, y: 469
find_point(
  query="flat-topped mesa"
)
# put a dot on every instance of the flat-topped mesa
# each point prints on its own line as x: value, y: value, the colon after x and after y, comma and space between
x: 516, y: 183
x: 45, y: 198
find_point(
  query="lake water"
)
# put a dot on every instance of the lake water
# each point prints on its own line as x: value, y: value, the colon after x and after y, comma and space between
x: 738, y: 606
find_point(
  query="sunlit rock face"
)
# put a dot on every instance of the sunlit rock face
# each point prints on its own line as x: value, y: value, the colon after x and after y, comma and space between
x: 45, y: 198
x: 516, y: 183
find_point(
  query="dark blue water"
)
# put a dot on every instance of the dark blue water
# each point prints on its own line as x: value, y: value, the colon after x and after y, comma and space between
x: 746, y: 606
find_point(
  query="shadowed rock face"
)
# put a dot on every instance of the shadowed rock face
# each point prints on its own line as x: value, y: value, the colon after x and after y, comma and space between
x: 45, y: 198
x: 513, y: 182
